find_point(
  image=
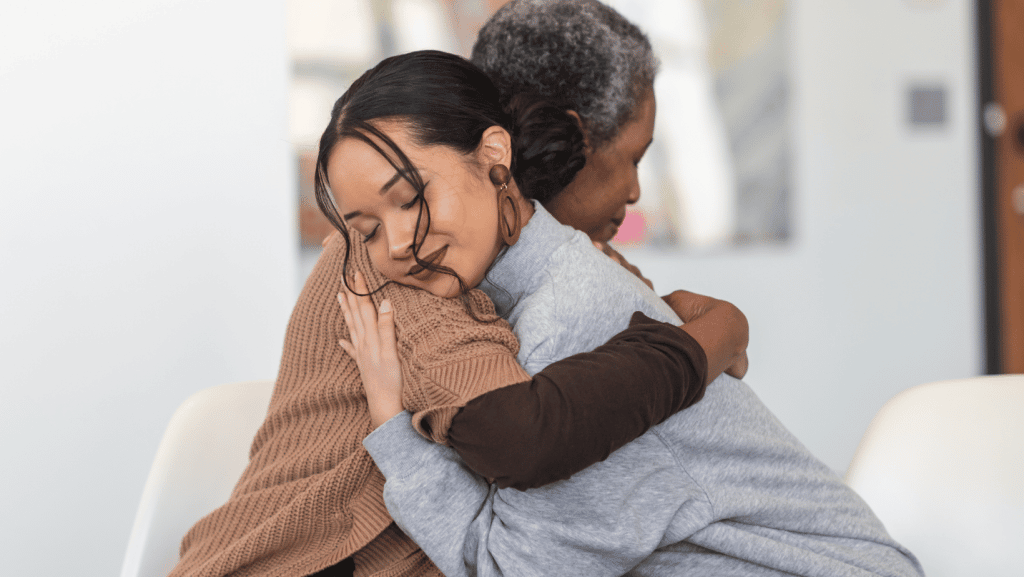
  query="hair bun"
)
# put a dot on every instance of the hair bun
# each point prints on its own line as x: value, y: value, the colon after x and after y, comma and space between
x: 548, y: 146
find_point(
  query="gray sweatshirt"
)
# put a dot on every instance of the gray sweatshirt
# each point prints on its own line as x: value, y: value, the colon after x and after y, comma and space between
x: 721, y: 488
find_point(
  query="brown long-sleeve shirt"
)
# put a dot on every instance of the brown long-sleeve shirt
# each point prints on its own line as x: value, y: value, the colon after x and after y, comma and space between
x: 575, y: 412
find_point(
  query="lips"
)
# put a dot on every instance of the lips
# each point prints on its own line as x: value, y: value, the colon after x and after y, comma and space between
x: 612, y: 228
x: 433, y: 258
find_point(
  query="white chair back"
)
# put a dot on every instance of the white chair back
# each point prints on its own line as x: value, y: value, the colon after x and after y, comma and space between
x: 942, y: 465
x: 203, y: 452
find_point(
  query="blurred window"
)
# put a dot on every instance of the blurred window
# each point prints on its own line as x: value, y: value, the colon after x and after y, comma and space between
x: 718, y: 173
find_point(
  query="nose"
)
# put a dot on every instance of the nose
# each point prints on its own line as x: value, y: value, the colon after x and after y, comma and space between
x: 634, y: 191
x: 400, y: 248
x: 400, y: 238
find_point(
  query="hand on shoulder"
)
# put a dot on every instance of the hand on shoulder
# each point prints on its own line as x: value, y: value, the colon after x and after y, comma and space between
x: 373, y: 345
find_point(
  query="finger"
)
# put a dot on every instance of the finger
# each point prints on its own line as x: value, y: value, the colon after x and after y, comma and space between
x: 386, y: 328
x: 365, y: 310
x: 744, y: 365
x: 343, y: 301
x: 347, y: 313
x: 739, y: 368
x: 613, y: 254
x: 355, y: 318
x: 349, y: 348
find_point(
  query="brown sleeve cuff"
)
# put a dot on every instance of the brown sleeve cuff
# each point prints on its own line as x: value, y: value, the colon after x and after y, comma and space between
x: 576, y: 411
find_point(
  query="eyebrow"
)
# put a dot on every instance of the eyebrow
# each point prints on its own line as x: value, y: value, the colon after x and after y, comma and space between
x: 383, y: 190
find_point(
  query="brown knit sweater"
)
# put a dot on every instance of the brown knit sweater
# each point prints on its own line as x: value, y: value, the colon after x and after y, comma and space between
x: 311, y: 496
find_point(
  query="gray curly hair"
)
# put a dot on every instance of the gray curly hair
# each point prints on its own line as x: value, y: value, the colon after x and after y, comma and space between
x: 578, y: 52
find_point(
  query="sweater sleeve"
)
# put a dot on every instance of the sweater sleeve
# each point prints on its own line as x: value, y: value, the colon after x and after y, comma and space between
x: 579, y: 410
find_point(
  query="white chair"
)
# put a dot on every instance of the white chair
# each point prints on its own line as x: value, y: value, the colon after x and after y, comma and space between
x: 942, y: 465
x: 203, y: 452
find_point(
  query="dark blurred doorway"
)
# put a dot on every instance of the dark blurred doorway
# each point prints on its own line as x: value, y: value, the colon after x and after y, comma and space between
x: 1001, y: 52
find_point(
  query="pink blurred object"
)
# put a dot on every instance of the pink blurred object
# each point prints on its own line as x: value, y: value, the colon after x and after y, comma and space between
x: 633, y: 229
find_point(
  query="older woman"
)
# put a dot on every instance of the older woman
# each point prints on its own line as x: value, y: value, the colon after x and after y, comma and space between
x: 719, y: 488
x: 601, y: 67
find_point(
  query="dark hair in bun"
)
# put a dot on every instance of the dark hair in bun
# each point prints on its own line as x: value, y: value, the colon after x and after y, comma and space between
x: 445, y: 100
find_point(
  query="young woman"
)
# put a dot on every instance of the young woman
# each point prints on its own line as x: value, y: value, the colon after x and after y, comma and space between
x: 415, y: 161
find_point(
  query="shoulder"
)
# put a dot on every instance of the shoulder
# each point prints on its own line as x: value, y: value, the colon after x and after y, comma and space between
x: 591, y: 283
x: 582, y: 299
x: 540, y: 327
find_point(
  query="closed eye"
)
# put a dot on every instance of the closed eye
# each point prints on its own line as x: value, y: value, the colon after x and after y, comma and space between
x: 643, y: 152
x: 373, y: 233
x: 415, y: 199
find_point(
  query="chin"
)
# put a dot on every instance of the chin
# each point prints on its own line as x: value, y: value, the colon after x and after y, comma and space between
x: 445, y: 288
x: 604, y: 235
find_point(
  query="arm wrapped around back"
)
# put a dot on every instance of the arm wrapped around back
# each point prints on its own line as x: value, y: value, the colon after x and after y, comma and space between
x: 311, y: 496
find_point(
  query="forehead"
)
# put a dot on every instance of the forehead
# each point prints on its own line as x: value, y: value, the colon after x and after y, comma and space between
x: 352, y: 150
x: 633, y: 136
x: 641, y: 126
x: 355, y: 168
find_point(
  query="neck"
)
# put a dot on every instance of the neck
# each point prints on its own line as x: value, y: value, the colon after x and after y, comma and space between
x: 526, y: 210
x: 525, y: 206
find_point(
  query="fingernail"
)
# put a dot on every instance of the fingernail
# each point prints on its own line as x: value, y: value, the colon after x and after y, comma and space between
x: 385, y: 306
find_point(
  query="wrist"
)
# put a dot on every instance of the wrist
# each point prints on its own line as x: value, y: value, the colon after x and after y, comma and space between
x: 382, y: 411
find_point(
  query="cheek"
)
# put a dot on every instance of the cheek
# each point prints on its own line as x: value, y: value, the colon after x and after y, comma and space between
x: 612, y: 196
x: 382, y: 262
x: 608, y: 185
x: 448, y: 213
x: 627, y: 180
x: 469, y: 217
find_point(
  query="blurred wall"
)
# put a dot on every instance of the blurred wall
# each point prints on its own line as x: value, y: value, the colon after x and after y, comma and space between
x: 879, y: 288
x: 147, y: 249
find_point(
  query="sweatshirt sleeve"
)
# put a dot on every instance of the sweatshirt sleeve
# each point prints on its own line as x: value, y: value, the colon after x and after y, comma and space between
x: 587, y: 525
x: 579, y: 410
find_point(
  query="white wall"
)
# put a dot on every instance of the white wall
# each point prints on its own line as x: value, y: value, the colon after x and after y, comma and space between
x: 147, y: 248
x: 880, y: 288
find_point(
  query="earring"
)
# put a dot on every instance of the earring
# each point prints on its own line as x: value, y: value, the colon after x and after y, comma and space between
x: 509, y: 231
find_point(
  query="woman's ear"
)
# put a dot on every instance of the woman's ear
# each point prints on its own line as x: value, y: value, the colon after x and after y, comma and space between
x: 495, y: 147
x: 583, y: 128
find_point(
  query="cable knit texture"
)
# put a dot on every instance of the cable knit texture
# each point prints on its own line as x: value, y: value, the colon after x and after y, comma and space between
x: 311, y: 496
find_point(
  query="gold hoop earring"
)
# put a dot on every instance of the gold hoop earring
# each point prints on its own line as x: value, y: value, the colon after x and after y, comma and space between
x: 509, y: 231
